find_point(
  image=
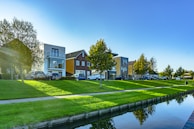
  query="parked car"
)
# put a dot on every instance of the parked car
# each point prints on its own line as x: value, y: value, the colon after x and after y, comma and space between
x: 164, y: 78
x: 96, y: 77
x: 36, y: 75
x: 79, y: 76
x: 55, y: 76
x: 119, y: 78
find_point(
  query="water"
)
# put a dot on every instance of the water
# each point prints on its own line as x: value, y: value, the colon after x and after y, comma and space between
x: 172, y: 114
x: 167, y: 115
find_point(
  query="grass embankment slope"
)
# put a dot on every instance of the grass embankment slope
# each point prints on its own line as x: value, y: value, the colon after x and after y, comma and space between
x: 31, y: 89
x: 32, y: 112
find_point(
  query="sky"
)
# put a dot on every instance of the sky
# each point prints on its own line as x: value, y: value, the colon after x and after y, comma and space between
x: 162, y: 29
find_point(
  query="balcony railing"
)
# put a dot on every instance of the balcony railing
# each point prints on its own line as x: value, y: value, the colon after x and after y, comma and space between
x: 50, y: 54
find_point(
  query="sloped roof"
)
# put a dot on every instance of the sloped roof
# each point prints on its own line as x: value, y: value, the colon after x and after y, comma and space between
x: 74, y: 54
x: 131, y: 62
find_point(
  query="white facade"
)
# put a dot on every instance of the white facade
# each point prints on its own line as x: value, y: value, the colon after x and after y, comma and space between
x: 54, y: 60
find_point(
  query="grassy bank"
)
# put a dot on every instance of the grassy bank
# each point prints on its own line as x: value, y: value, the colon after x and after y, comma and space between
x: 31, y: 88
x: 33, y: 112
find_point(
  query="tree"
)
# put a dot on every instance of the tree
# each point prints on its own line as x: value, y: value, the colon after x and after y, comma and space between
x: 179, y: 72
x: 23, y: 31
x: 152, y: 66
x: 18, y: 57
x: 191, y: 73
x: 168, y: 71
x: 140, y: 65
x: 100, y: 57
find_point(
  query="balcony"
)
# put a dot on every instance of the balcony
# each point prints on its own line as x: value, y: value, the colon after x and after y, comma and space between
x: 54, y: 55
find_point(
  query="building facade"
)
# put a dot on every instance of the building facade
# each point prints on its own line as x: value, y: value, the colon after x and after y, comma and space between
x: 121, y: 67
x: 54, y: 60
x: 76, y: 63
x: 131, y: 71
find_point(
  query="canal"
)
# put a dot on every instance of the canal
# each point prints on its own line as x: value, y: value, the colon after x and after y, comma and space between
x: 173, y: 113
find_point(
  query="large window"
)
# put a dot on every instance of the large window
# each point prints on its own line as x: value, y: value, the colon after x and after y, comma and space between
x: 55, y: 52
x: 55, y: 63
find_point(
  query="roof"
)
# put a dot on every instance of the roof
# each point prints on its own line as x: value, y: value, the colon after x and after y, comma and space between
x: 131, y: 62
x: 74, y: 54
x: 114, y: 54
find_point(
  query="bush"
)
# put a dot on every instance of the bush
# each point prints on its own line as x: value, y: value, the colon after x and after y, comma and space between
x: 40, y: 78
x: 68, y: 78
x: 6, y: 76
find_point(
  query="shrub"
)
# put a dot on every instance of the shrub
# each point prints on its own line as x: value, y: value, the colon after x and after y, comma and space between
x: 68, y: 78
x: 6, y: 76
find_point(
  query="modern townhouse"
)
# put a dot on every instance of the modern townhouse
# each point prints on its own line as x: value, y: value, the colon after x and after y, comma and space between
x: 54, y: 60
x: 77, y: 64
x: 121, y: 67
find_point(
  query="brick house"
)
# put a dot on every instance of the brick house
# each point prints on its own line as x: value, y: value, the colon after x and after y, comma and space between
x: 76, y: 63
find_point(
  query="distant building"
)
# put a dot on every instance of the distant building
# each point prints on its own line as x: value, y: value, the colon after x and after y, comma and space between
x: 76, y: 63
x: 121, y: 67
x: 54, y: 60
x: 131, y: 70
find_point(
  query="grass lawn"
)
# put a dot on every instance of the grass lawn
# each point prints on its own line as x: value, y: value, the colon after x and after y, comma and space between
x: 34, y: 112
x: 15, y: 89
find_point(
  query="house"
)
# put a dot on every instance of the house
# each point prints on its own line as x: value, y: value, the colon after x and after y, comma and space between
x: 76, y: 63
x: 121, y: 67
x: 131, y: 71
x: 54, y: 60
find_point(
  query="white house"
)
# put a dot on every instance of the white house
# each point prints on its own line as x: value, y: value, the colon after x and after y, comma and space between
x: 54, y: 60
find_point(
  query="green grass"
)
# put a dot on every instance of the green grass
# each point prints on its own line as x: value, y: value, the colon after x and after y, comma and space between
x: 34, y: 112
x: 15, y: 89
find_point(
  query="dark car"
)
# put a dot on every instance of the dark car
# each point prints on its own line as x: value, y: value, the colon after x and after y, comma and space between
x: 79, y: 76
x: 119, y: 78
x: 55, y: 76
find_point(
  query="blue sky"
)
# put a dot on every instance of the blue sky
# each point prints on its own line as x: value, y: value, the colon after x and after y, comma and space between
x: 163, y: 29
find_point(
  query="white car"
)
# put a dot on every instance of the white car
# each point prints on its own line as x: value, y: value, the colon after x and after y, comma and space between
x: 96, y: 77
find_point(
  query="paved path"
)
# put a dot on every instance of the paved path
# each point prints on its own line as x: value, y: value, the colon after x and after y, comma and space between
x: 67, y: 96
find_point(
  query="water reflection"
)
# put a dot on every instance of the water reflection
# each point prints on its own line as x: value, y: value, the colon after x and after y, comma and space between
x: 103, y: 124
x: 171, y: 113
x: 143, y: 114
x: 180, y: 99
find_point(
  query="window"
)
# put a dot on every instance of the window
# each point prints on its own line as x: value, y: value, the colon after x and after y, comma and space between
x: 77, y: 63
x: 88, y: 64
x: 82, y: 54
x: 55, y: 52
x: 83, y: 63
x: 55, y: 63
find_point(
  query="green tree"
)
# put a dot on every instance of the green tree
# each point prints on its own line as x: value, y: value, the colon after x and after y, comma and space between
x: 141, y: 65
x: 23, y: 31
x: 100, y: 57
x: 179, y: 72
x: 191, y: 73
x: 152, y: 66
x: 16, y: 57
x: 168, y: 71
